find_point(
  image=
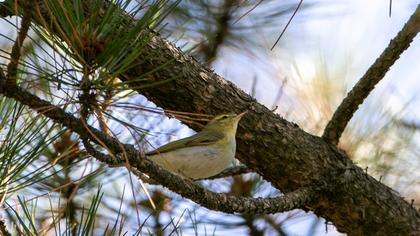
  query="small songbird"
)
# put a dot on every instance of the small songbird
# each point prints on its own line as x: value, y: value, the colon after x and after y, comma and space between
x: 204, y: 154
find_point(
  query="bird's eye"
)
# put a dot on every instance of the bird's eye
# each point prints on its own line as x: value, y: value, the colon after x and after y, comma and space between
x: 224, y: 117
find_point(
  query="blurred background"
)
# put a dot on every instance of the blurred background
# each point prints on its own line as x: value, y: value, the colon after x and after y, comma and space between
x: 326, y: 48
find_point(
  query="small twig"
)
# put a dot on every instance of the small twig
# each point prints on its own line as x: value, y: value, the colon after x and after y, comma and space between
x: 279, y: 95
x: 254, y: 86
x: 16, y: 53
x: 373, y: 75
x: 409, y: 125
x: 143, y: 177
x: 247, y: 12
x: 275, y: 225
x: 236, y: 170
x: 287, y: 25
x: 390, y: 8
x: 121, y: 163
x: 326, y: 226
x: 109, y: 159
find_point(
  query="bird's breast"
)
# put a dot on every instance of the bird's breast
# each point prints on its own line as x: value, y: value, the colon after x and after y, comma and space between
x: 198, y: 161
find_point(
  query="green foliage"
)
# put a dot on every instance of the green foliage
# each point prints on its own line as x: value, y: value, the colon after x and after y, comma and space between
x: 99, y: 37
x: 25, y: 221
x: 24, y: 137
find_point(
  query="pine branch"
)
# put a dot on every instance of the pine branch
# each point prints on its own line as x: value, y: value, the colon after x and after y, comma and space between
x: 15, y: 54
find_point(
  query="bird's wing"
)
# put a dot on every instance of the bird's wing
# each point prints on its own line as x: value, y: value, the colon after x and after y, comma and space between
x: 199, y: 139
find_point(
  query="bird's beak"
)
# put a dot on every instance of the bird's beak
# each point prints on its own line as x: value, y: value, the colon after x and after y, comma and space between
x: 238, y: 117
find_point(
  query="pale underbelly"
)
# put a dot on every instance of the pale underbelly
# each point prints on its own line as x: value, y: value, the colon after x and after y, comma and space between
x: 195, y: 162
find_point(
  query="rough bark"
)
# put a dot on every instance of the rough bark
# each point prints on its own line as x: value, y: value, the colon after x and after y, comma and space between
x: 278, y: 150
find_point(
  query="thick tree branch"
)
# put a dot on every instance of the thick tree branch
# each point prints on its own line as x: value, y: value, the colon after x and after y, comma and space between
x: 182, y: 186
x: 373, y: 75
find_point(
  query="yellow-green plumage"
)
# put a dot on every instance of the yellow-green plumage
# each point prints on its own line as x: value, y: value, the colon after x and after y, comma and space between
x: 204, y: 154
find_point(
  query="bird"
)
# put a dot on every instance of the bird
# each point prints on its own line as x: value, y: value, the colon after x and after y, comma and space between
x: 204, y: 154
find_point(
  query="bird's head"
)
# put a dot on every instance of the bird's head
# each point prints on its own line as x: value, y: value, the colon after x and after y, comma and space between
x: 226, y: 123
